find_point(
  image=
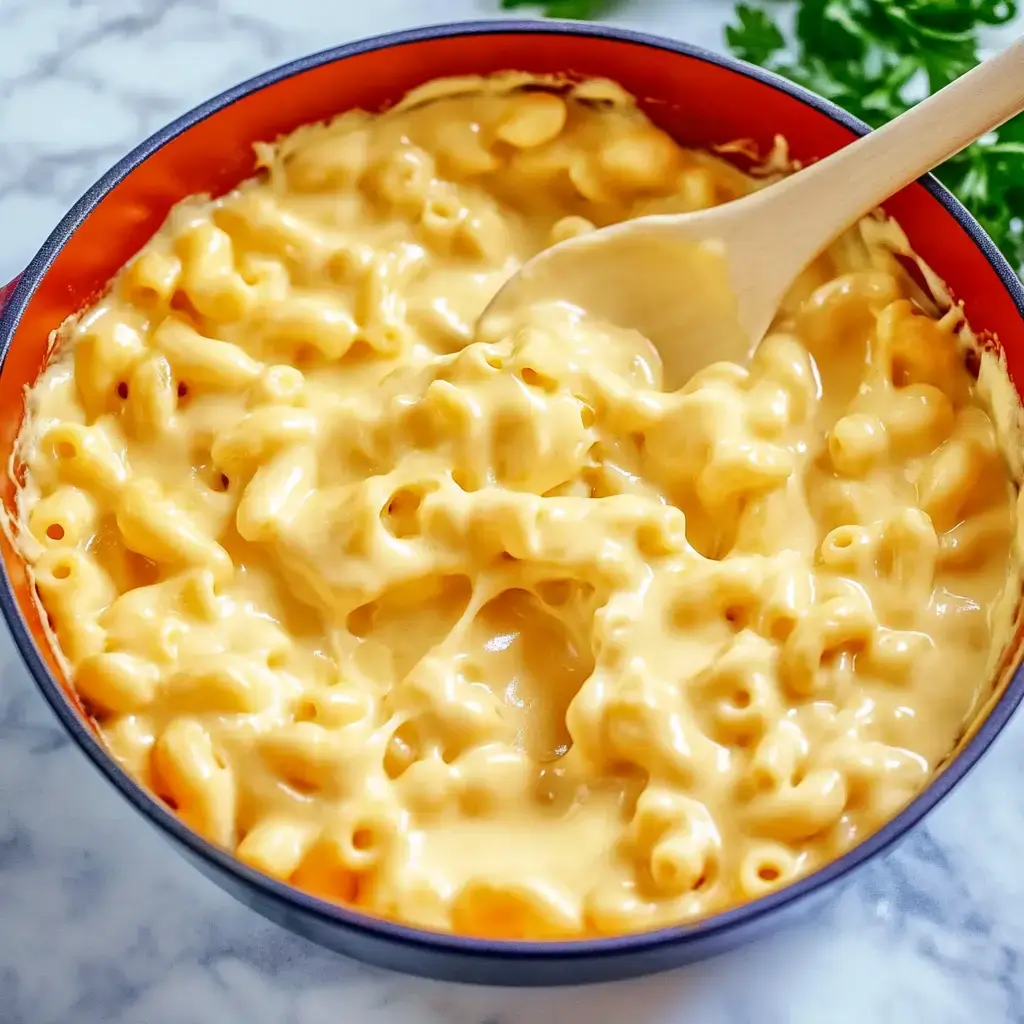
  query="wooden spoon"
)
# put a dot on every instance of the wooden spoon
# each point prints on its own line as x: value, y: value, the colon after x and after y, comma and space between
x: 705, y: 286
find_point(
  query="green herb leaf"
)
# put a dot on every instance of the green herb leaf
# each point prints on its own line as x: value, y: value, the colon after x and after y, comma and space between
x: 756, y: 38
x: 578, y: 10
x: 876, y: 58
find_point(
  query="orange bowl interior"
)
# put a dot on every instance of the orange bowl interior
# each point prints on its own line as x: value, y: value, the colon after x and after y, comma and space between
x: 699, y: 102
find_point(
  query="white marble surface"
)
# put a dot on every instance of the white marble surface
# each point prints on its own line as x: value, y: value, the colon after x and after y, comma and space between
x: 100, y: 923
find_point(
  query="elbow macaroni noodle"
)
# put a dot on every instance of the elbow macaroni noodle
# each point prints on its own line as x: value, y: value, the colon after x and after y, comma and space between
x: 504, y: 638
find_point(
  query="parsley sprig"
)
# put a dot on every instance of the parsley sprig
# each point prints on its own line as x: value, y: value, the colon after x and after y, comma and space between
x: 876, y: 58
x: 577, y: 10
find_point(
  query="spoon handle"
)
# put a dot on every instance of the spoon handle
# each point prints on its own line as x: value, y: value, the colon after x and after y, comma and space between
x: 832, y: 194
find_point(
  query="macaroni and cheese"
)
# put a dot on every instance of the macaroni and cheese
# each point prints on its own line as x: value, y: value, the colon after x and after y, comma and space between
x: 504, y: 638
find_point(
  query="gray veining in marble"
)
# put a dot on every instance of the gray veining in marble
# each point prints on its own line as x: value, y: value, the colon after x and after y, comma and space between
x: 100, y: 923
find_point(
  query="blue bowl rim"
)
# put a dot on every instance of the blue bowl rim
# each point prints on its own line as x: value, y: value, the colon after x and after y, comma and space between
x: 738, y: 918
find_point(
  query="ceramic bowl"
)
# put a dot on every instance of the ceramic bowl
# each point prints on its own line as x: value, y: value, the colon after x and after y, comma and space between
x: 699, y: 97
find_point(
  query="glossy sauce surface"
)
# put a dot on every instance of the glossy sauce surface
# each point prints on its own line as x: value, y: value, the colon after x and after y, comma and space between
x: 506, y: 638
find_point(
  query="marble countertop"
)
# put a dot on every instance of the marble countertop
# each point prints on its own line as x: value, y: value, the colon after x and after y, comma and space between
x: 101, y: 923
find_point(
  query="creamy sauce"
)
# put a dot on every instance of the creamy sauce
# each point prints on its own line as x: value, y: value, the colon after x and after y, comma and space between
x: 506, y: 638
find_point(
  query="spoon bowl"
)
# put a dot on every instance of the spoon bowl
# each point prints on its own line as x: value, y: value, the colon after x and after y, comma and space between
x: 634, y: 275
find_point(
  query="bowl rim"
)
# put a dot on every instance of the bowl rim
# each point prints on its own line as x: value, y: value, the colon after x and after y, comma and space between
x: 280, y: 893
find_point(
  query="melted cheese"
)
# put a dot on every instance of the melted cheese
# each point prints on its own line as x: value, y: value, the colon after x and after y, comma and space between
x: 506, y: 638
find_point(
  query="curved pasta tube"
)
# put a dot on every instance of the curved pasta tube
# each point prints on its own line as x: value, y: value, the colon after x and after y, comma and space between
x: 86, y: 457
x: 642, y: 722
x: 955, y: 471
x: 333, y: 707
x: 462, y: 151
x: 307, y: 322
x: 278, y: 845
x: 767, y: 866
x: 444, y: 213
x: 738, y: 693
x: 741, y: 468
x: 68, y: 517
x: 321, y: 872
x: 366, y: 832
x: 466, y: 713
x: 851, y: 549
x: 196, y: 594
x: 152, y: 397
x: 402, y: 177
x: 877, y: 773
x: 908, y: 552
x: 423, y: 900
x: 677, y: 863
x: 781, y: 753
x: 570, y: 227
x: 151, y: 279
x: 130, y: 739
x: 312, y: 758
x: 782, y: 360
x: 428, y: 786
x: 839, y: 621
x: 975, y: 541
x: 146, y: 621
x: 845, y: 308
x: 155, y: 527
x: 901, y: 548
x: 675, y: 838
x: 206, y: 361
x: 796, y: 813
x: 506, y: 908
x: 103, y: 360
x: 222, y: 684
x: 75, y: 591
x: 615, y: 908
x: 275, y: 492
x: 491, y: 773
x: 535, y: 454
x: 532, y: 119
x: 267, y: 277
x: 280, y: 385
x: 894, y: 652
x: 733, y: 586
x: 915, y: 349
x: 209, y: 277
x: 117, y: 683
x: 641, y: 161
x: 916, y: 419
x: 857, y: 443
x: 331, y: 162
x: 306, y: 755
x: 254, y: 217
x: 187, y: 770
x: 485, y: 235
x: 788, y: 596
x: 260, y: 434
x: 688, y: 428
